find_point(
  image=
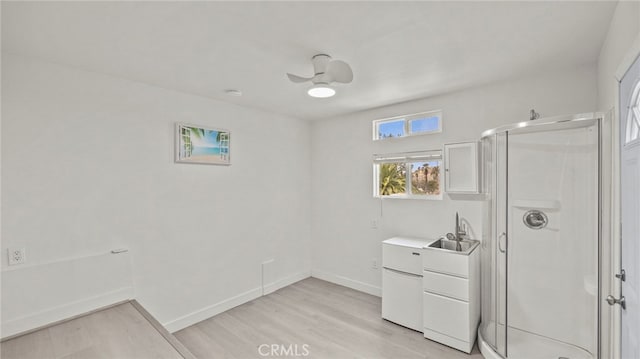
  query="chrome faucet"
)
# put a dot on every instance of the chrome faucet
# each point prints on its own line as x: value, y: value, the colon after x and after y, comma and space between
x: 461, y: 229
x: 460, y: 233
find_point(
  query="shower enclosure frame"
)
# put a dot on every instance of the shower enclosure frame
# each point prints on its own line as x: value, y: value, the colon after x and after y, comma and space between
x: 602, y: 198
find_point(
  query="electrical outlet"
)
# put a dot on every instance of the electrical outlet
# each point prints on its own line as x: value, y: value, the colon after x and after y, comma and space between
x: 16, y: 256
x: 374, y: 263
x: 374, y: 224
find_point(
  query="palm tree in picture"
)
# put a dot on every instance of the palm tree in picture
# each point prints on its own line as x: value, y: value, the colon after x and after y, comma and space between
x: 197, y: 132
x: 392, y: 178
x: 188, y: 134
x: 186, y: 143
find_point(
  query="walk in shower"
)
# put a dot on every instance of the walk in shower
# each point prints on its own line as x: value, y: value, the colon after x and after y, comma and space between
x: 541, y: 239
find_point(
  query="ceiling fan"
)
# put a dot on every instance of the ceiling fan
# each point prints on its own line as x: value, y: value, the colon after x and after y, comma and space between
x: 326, y: 72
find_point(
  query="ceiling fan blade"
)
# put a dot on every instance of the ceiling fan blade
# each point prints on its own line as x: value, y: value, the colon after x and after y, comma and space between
x: 298, y: 79
x: 339, y: 71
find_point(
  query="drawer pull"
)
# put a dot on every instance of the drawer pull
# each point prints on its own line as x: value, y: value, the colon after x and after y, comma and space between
x: 415, y: 253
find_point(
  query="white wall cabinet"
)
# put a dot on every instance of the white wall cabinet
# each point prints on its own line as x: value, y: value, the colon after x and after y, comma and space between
x: 461, y: 164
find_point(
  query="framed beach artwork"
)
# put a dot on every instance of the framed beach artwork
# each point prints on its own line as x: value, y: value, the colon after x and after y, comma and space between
x: 203, y: 145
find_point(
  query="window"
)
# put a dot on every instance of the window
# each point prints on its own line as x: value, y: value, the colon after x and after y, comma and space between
x: 407, y: 175
x: 408, y: 125
x: 633, y: 117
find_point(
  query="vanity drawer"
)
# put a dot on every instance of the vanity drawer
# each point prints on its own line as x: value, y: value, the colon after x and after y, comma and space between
x: 452, y: 264
x: 446, y: 285
x: 446, y: 315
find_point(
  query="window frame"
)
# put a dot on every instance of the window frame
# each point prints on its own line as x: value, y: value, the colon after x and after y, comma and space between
x: 407, y: 127
x: 633, y: 117
x: 408, y: 158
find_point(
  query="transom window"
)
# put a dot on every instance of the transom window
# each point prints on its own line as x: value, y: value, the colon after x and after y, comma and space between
x: 407, y: 175
x: 408, y: 125
x: 633, y: 117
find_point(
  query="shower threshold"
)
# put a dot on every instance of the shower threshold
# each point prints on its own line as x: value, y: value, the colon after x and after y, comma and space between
x: 523, y: 344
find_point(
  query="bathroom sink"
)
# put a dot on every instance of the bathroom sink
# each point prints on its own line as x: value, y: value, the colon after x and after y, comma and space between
x: 467, y: 246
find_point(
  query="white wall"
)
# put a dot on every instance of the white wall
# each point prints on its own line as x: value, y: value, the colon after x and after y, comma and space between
x: 343, y: 242
x: 623, y: 31
x: 88, y: 166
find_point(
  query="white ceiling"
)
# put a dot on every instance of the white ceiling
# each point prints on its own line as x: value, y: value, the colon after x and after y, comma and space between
x: 398, y: 50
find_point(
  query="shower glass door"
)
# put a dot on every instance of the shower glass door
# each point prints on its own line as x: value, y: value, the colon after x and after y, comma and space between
x: 550, y: 260
x: 493, y: 326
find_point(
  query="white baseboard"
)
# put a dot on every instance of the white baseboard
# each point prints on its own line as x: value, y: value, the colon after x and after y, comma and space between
x: 13, y: 327
x: 281, y: 283
x: 211, y: 310
x: 217, y: 308
x: 347, y: 282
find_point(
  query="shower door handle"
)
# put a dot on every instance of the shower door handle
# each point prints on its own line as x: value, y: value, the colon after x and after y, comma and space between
x: 502, y: 235
x: 613, y: 301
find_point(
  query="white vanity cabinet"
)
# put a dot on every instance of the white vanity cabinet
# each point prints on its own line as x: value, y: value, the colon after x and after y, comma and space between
x: 451, y: 297
x: 461, y: 165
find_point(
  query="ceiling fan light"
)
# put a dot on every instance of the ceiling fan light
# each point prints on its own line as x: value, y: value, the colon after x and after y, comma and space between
x: 321, y: 91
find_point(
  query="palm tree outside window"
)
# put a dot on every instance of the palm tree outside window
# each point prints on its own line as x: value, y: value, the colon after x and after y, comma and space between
x: 408, y: 175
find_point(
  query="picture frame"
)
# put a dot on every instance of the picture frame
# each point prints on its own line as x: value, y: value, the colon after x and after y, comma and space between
x: 202, y: 145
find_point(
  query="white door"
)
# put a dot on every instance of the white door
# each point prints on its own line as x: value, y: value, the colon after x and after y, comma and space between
x: 630, y: 209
